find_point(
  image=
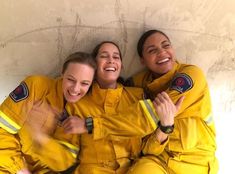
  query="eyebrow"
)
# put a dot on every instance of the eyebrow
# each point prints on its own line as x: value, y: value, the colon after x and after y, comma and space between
x: 106, y: 52
x: 165, y: 41
x: 86, y: 81
x: 153, y: 46
x: 150, y: 46
x: 71, y: 76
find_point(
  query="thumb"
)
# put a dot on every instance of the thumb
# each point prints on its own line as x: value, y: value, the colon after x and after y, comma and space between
x: 179, y: 103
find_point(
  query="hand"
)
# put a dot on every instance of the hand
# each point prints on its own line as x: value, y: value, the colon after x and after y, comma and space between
x: 23, y: 171
x: 166, y: 109
x: 39, y: 137
x: 74, y: 125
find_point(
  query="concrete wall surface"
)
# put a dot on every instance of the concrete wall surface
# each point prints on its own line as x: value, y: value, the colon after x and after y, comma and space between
x: 36, y: 36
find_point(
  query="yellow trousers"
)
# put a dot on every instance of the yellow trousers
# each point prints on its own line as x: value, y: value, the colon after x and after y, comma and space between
x: 153, y: 165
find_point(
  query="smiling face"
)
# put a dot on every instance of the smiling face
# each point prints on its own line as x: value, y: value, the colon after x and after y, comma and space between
x: 158, y: 54
x: 77, y: 79
x: 109, y: 65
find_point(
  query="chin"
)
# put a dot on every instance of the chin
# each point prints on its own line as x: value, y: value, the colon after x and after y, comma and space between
x: 73, y: 99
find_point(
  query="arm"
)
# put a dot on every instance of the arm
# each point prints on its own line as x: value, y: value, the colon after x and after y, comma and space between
x: 166, y: 110
x: 66, y: 153
x: 65, y: 146
x: 13, y: 113
x: 10, y: 151
x: 195, y: 109
x: 138, y: 119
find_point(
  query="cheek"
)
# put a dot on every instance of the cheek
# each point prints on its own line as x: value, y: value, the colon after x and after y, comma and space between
x: 84, y: 90
x: 66, y: 85
x: 172, y: 53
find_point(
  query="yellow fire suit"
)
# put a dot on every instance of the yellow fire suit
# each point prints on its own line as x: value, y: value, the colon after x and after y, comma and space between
x: 191, y: 147
x: 39, y: 101
x: 111, y: 148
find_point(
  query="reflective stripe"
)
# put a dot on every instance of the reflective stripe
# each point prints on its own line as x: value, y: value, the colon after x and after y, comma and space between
x: 73, y: 149
x: 209, y: 119
x: 7, y: 124
x: 147, y: 106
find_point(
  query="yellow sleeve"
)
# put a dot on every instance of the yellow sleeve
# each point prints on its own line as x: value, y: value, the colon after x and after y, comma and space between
x: 65, y: 146
x: 13, y: 113
x: 197, y: 97
x: 139, y: 119
x: 152, y: 146
x: 15, y: 108
x: 11, y: 159
x: 57, y: 155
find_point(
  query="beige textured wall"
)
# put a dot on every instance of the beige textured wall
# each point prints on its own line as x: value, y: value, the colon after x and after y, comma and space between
x: 35, y: 36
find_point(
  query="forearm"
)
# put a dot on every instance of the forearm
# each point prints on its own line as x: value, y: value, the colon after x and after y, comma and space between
x: 155, y: 143
x: 65, y: 154
x: 11, y: 159
x: 136, y: 120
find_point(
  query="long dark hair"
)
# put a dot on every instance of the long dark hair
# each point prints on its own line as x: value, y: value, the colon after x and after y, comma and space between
x: 144, y: 37
x: 96, y: 51
x: 97, y: 48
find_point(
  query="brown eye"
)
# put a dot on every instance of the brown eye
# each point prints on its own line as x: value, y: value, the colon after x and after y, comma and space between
x: 69, y: 79
x: 103, y: 56
x: 116, y: 57
x: 152, y: 51
x: 85, y: 84
x: 166, y: 45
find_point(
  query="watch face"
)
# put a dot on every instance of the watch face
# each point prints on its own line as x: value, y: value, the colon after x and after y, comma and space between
x: 169, y: 130
x: 166, y: 129
x: 89, y: 124
x: 89, y: 119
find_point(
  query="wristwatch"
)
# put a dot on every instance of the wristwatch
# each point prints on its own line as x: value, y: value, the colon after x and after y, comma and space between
x: 89, y: 124
x: 166, y: 129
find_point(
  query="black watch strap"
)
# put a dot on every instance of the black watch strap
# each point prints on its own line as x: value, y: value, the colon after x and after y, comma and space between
x: 166, y: 129
x: 89, y: 124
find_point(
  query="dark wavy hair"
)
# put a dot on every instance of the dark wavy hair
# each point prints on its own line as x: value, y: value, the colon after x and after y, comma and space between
x: 97, y: 48
x: 144, y: 37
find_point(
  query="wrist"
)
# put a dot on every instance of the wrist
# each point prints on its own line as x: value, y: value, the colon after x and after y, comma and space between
x: 89, y: 124
x: 167, y: 129
x: 160, y: 136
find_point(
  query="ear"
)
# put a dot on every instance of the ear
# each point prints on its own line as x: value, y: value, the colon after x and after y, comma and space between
x: 142, y: 61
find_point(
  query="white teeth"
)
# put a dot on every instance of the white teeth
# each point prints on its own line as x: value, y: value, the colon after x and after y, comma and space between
x: 164, y: 60
x: 110, y: 69
x: 73, y: 94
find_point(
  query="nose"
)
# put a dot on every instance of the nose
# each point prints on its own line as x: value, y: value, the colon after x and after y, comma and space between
x: 110, y: 60
x: 160, y: 51
x: 76, y: 87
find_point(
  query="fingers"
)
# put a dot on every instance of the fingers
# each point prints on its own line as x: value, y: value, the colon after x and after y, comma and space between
x: 74, y: 125
x: 68, y: 124
x: 162, y: 97
x: 179, y: 103
x: 164, y: 105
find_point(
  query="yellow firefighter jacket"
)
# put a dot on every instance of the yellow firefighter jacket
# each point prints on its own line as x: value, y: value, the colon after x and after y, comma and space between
x: 193, y: 140
x: 38, y: 100
x: 111, y: 147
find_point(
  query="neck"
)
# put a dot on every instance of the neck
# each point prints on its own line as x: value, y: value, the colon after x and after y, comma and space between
x: 107, y: 85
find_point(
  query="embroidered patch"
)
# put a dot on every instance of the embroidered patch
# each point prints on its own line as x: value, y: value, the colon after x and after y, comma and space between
x: 181, y: 83
x: 20, y: 93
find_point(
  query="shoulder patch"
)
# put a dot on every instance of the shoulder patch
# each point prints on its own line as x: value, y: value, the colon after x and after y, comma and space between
x: 20, y: 93
x: 181, y: 83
